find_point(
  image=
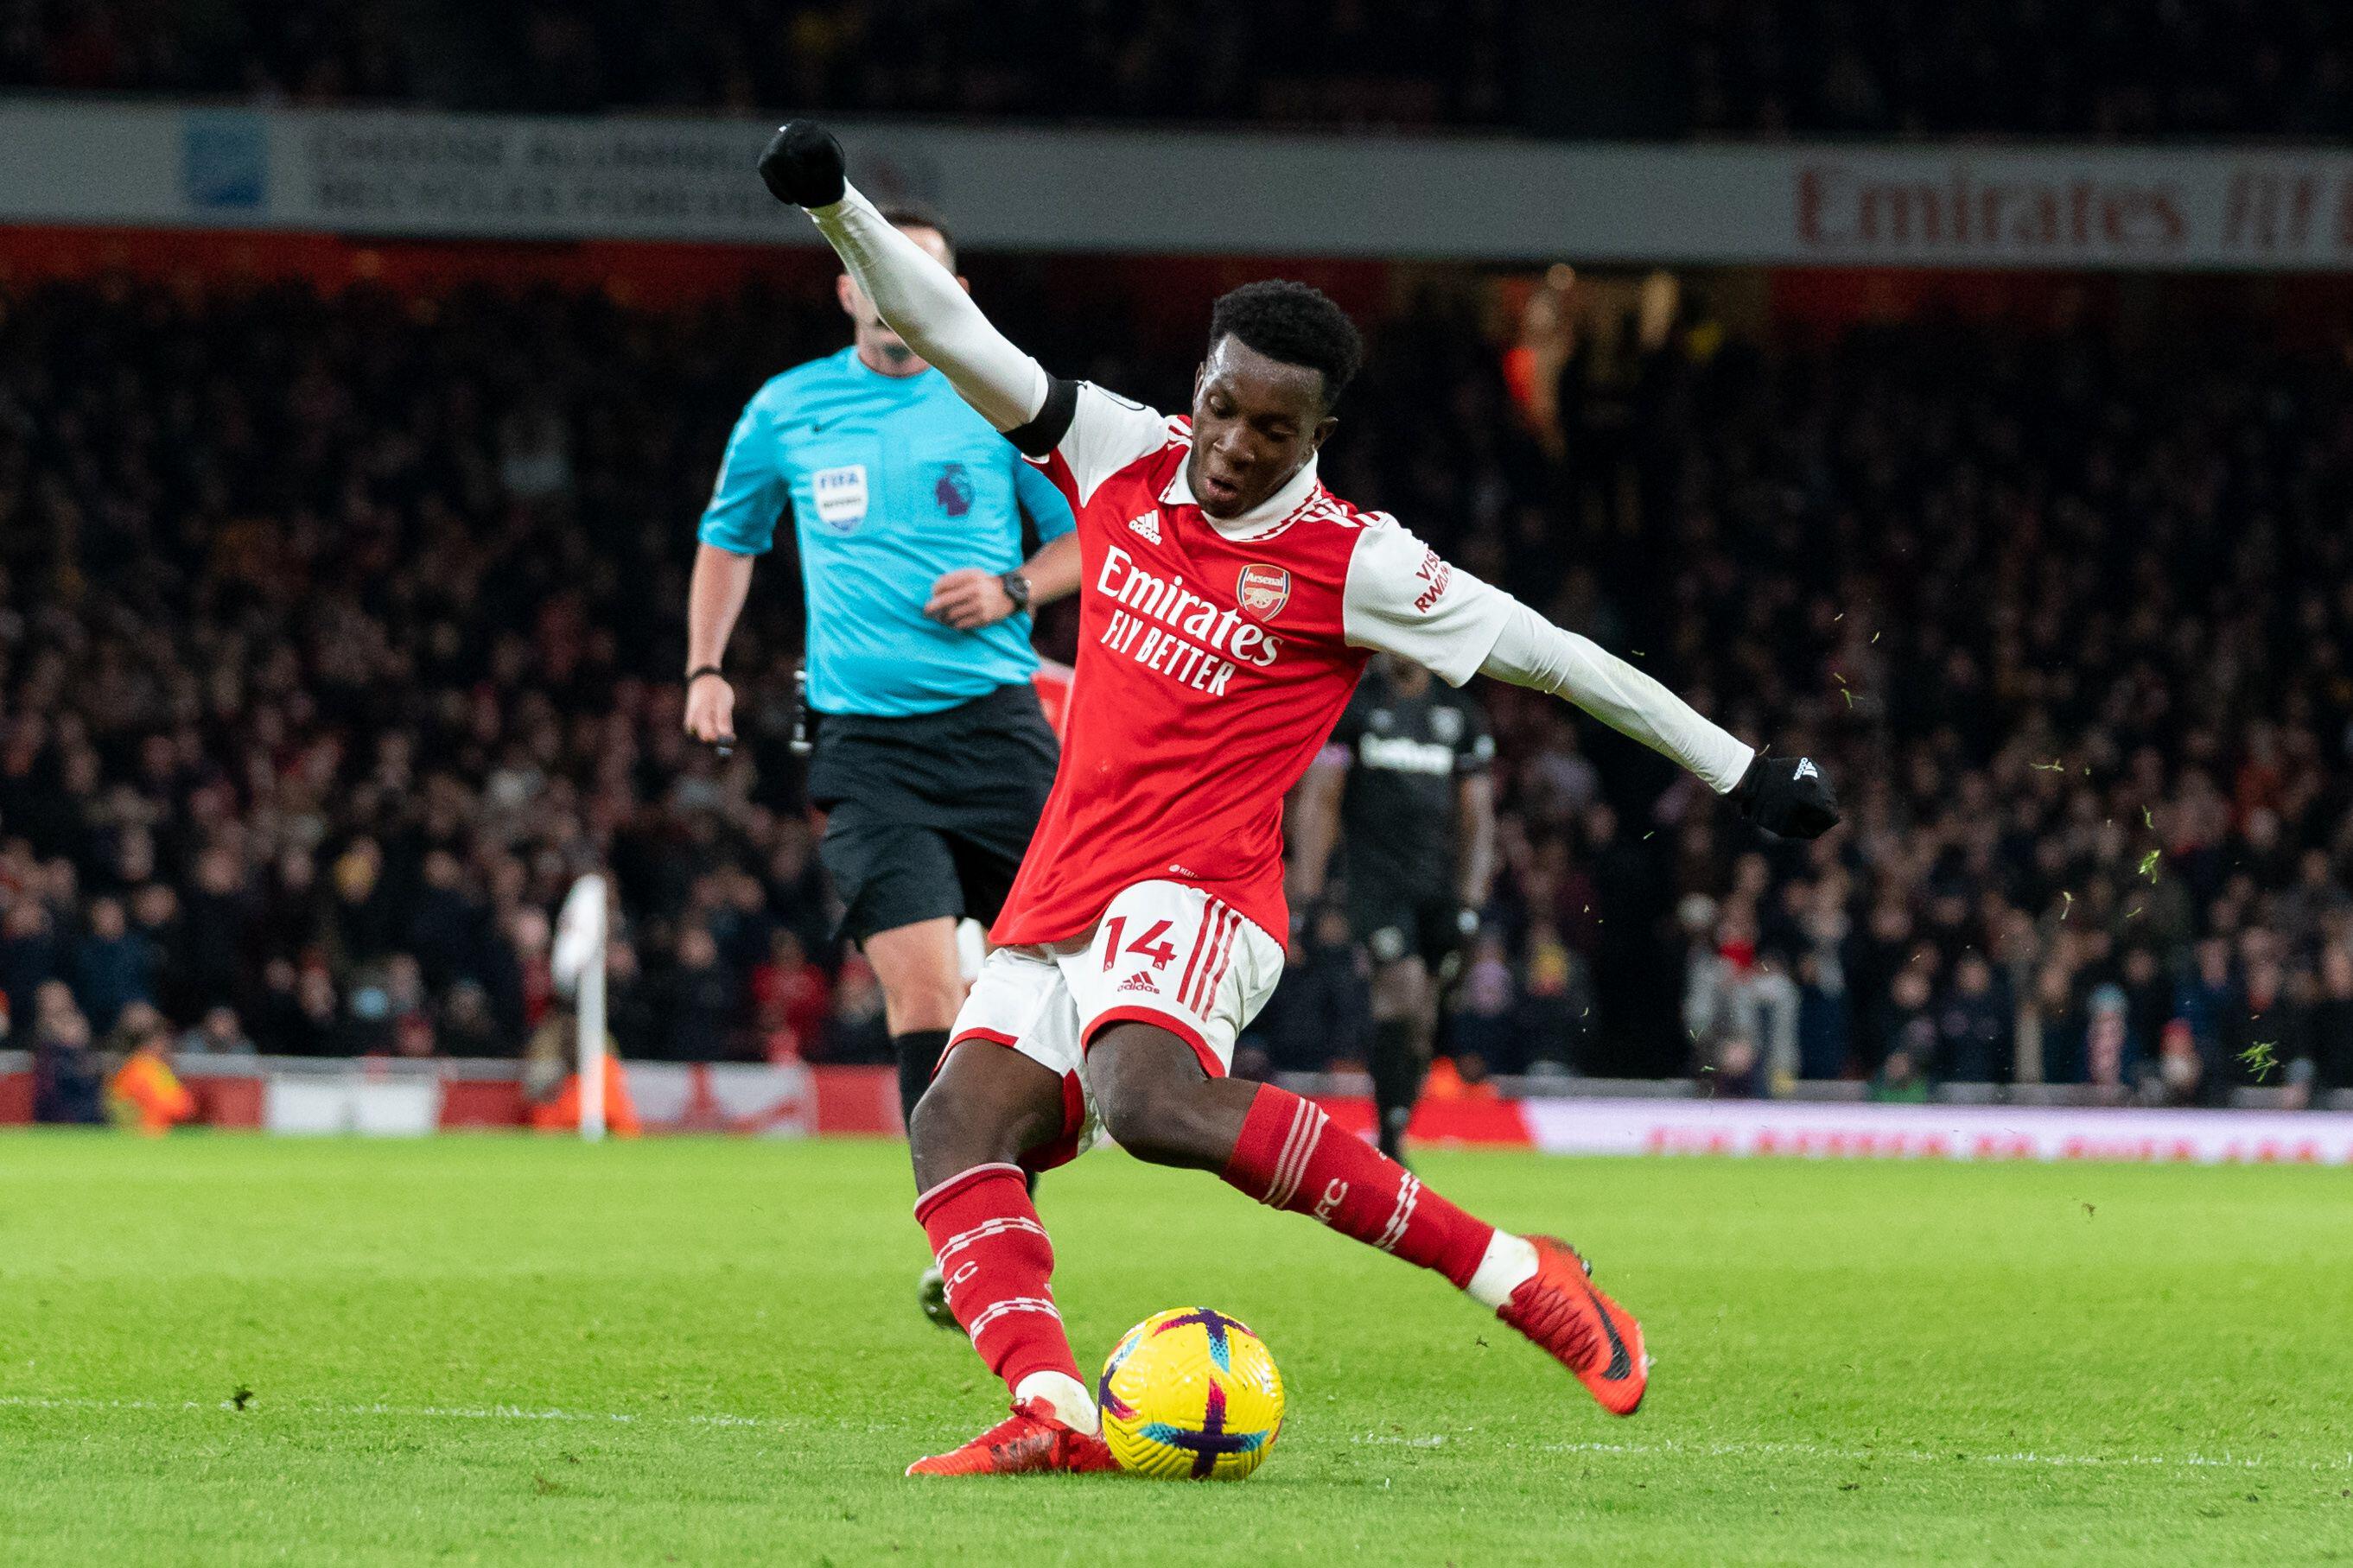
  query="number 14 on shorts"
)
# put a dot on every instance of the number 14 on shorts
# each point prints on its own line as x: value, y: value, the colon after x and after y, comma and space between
x: 1164, y: 946
x: 1153, y: 944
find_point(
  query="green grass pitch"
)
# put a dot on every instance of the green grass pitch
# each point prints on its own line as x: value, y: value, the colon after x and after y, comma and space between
x: 505, y: 1350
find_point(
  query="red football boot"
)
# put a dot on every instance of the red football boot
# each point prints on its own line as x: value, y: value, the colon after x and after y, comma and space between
x: 1029, y: 1440
x: 1584, y: 1330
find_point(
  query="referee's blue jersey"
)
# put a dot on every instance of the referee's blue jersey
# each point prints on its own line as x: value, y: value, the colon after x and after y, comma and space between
x: 893, y: 479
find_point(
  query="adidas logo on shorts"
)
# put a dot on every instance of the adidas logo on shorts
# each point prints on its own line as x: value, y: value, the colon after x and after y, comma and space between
x: 1147, y: 524
x: 1139, y: 981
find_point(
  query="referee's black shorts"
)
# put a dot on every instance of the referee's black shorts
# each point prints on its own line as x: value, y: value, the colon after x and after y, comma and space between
x: 929, y: 814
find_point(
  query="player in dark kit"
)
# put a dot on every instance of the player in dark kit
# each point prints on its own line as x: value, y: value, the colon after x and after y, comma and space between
x: 1405, y: 782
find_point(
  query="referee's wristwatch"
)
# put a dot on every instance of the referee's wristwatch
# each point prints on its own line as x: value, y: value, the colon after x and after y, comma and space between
x: 1016, y: 589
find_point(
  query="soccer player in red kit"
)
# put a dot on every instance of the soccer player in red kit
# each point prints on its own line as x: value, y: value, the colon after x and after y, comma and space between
x: 1228, y: 603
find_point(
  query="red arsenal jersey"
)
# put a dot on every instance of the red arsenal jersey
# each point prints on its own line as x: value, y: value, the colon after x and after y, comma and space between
x: 1215, y: 656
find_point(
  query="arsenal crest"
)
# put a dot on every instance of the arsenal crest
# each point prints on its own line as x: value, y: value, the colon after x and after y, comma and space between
x: 1263, y: 591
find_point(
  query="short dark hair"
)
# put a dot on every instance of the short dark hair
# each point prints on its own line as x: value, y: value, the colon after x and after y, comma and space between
x: 915, y: 214
x: 1295, y: 323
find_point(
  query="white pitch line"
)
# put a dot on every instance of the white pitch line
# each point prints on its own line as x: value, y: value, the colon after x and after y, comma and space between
x: 1434, y: 1440
x: 1818, y: 1451
x: 425, y: 1412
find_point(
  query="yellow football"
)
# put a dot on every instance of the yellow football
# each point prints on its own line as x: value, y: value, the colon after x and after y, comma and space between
x: 1191, y: 1394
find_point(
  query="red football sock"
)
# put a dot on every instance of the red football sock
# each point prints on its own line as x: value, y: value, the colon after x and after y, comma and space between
x: 1290, y: 1157
x: 986, y: 1234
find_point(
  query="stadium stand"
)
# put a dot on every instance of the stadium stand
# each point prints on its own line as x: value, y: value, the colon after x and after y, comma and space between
x: 337, y: 633
x: 2119, y: 70
x: 1297, y: 61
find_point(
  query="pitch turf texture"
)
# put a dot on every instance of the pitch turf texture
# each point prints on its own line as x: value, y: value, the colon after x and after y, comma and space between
x: 235, y: 1349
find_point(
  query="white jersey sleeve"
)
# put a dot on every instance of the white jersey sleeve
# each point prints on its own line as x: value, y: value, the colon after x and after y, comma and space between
x: 1403, y: 598
x: 1095, y: 433
x: 1534, y: 653
x: 926, y: 306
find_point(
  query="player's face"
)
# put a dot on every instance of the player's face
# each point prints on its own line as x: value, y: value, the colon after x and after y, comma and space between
x: 871, y: 334
x: 1256, y: 421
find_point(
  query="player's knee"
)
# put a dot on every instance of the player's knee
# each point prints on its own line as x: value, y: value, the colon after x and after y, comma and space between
x: 941, y: 1135
x: 916, y: 966
x: 1160, y: 1118
x: 933, y: 1122
x: 916, y: 999
x: 955, y: 1131
x: 916, y: 1008
x: 987, y: 1106
x: 1146, y: 1129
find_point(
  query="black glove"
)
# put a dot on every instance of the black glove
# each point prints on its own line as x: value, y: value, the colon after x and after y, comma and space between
x: 802, y: 165
x: 1787, y: 795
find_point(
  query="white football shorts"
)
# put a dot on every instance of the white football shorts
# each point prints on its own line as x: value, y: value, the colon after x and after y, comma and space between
x: 1162, y: 953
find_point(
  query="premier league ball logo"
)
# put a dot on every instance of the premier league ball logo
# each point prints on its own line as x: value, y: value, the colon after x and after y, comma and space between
x: 1263, y: 591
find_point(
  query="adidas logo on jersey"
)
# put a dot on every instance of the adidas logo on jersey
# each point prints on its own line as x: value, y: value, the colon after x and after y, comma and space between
x: 1147, y: 524
x: 1806, y: 770
x: 1139, y: 981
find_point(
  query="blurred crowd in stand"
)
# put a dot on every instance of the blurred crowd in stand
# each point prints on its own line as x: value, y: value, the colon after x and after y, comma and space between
x: 2104, y: 69
x: 2068, y: 614
x: 2099, y: 69
x: 338, y: 636
x: 335, y: 641
x: 1416, y: 62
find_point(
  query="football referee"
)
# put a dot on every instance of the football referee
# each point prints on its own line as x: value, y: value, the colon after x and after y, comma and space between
x: 932, y: 756
x: 1404, y: 785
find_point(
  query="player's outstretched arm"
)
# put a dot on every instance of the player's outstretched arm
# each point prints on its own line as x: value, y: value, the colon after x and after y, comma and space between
x: 1403, y: 598
x: 1782, y: 795
x: 920, y: 299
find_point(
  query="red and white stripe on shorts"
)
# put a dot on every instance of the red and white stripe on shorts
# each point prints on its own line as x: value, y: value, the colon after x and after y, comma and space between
x: 1213, y: 951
